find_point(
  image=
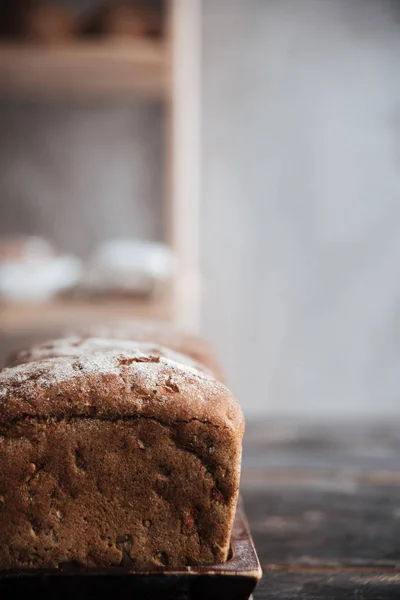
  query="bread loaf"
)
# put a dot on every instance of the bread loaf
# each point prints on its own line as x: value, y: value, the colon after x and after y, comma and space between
x: 116, y: 458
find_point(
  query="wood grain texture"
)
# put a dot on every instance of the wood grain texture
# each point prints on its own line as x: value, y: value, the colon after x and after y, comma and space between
x: 323, y: 503
x: 332, y: 586
x: 349, y: 446
x: 325, y: 523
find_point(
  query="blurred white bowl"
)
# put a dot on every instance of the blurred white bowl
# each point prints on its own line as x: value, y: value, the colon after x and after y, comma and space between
x: 127, y: 266
x: 38, y: 280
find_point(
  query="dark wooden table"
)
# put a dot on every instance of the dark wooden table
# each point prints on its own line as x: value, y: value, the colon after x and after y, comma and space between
x: 323, y: 502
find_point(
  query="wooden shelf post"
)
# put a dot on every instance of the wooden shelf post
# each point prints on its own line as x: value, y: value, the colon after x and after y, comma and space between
x: 184, y: 158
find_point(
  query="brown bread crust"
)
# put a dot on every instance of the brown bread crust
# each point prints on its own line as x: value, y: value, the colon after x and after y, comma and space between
x: 116, y: 458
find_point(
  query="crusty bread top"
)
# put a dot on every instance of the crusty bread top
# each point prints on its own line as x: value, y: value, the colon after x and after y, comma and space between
x: 159, y: 332
x: 113, y: 385
x: 76, y: 345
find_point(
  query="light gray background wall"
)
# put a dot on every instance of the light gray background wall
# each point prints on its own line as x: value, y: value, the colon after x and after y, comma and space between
x: 301, y: 212
x: 79, y: 174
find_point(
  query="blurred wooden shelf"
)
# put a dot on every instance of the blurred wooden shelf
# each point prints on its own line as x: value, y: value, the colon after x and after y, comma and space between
x: 106, y: 69
x: 92, y: 71
x: 58, y: 314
